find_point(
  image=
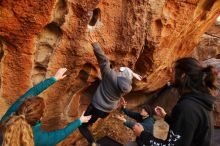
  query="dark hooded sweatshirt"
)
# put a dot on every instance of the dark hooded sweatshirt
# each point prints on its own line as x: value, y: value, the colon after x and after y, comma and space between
x: 191, y: 123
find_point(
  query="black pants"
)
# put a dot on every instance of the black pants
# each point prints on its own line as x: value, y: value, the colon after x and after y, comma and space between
x: 95, y: 113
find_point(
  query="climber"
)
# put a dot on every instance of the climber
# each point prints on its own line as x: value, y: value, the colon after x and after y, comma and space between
x: 190, y: 123
x: 21, y: 123
x: 145, y: 118
x: 113, y: 85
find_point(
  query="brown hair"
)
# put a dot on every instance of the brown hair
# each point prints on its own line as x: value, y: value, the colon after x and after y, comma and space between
x: 148, y: 109
x: 191, y: 76
x: 32, y: 109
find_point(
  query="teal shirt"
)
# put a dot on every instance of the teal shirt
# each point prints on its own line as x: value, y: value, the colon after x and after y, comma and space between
x: 44, y: 138
x: 41, y: 137
x: 34, y: 91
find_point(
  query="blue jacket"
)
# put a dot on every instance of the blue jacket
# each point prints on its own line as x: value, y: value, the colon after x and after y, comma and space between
x: 41, y: 137
x: 147, y: 123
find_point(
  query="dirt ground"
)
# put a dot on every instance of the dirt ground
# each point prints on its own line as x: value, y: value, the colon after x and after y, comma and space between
x: 116, y: 130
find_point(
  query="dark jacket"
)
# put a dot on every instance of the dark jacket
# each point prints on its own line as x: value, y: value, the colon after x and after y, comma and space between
x: 147, y: 123
x: 108, y: 93
x: 191, y: 123
x: 41, y: 137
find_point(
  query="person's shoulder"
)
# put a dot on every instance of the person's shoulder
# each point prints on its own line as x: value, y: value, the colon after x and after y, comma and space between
x: 185, y: 105
x: 37, y: 127
x: 111, y: 75
x: 149, y: 119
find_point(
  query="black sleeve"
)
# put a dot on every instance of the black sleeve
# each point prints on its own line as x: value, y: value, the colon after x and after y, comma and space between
x: 167, y: 119
x: 135, y: 115
x: 103, y: 61
x: 180, y: 133
x: 148, y: 139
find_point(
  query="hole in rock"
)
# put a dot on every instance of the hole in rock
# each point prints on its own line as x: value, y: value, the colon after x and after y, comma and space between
x: 145, y: 61
x: 60, y: 12
x: 217, y: 56
x: 50, y: 35
x: 96, y: 15
x: 157, y: 27
x: 87, y: 72
x: 208, y: 5
x: 87, y: 94
x: 40, y: 68
x: 159, y: 24
x: 83, y: 75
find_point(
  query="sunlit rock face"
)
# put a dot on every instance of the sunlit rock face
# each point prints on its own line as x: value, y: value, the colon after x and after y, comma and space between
x: 38, y: 37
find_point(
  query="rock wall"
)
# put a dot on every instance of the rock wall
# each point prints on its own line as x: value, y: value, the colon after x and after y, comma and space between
x: 38, y: 37
x: 209, y: 46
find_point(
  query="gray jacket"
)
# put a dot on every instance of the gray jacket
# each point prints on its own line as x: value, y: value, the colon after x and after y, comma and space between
x: 111, y: 87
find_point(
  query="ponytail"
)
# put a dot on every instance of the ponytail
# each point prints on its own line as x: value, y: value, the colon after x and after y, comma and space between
x: 210, y: 77
x: 16, y: 132
x: 190, y: 76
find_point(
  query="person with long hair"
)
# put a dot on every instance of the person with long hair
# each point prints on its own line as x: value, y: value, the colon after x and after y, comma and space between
x: 191, y: 120
x: 17, y: 132
x: 21, y: 123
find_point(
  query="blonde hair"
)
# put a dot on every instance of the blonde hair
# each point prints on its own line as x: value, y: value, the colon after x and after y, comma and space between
x: 17, y: 132
x: 17, y: 129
